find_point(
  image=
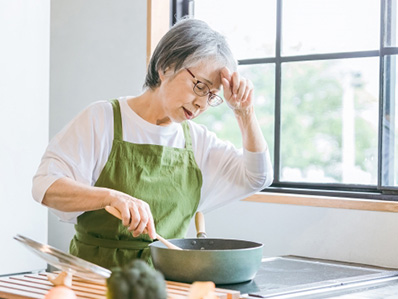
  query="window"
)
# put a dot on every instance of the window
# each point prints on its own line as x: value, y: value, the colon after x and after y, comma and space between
x: 325, y: 87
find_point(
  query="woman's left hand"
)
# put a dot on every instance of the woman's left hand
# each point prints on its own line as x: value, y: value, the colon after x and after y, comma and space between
x: 238, y: 91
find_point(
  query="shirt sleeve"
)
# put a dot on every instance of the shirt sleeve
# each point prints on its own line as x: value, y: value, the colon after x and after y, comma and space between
x: 78, y: 152
x: 229, y: 174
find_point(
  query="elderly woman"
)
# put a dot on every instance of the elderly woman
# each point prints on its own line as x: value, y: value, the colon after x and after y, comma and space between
x: 145, y: 157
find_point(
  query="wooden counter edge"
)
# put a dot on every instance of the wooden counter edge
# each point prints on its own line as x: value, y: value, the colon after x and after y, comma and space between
x: 325, y: 202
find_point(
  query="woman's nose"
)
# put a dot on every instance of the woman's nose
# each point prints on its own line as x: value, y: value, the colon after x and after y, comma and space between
x: 201, y: 102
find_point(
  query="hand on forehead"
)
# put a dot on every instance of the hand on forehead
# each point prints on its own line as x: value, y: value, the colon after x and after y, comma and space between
x: 208, y: 72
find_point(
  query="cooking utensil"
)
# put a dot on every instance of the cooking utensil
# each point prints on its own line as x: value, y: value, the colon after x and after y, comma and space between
x: 115, y: 212
x: 223, y: 261
x: 64, y: 261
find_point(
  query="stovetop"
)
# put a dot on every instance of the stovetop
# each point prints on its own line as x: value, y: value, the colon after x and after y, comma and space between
x: 290, y: 274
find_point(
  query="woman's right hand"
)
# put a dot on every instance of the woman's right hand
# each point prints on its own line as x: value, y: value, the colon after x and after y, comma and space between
x: 136, y: 213
x: 67, y: 195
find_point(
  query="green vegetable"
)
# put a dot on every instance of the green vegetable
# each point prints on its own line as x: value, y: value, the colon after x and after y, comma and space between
x: 118, y: 287
x: 136, y: 280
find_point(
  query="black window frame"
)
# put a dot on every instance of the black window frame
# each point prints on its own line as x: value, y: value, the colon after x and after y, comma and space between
x: 181, y: 8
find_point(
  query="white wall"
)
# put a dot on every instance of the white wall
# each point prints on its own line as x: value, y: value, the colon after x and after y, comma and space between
x: 24, y: 99
x: 98, y: 52
x: 338, y: 234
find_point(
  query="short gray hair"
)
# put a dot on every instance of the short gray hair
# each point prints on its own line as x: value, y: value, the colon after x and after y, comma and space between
x: 187, y: 43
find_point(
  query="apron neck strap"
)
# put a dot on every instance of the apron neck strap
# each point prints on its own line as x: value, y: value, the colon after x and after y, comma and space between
x: 187, y: 135
x: 117, y: 121
x: 118, y: 129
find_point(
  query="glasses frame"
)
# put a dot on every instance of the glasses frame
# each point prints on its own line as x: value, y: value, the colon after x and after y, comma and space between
x: 213, y: 99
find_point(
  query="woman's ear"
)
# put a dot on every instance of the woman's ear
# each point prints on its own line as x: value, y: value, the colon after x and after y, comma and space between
x: 162, y: 74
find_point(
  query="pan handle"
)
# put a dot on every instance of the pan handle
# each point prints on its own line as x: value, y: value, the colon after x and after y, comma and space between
x: 200, y: 225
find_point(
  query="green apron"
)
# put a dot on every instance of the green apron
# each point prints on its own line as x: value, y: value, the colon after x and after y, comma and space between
x: 167, y: 178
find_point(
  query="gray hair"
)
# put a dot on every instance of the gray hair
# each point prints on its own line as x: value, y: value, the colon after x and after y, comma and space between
x: 187, y: 43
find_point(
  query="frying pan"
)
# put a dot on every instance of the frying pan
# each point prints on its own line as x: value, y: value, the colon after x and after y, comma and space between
x: 223, y: 261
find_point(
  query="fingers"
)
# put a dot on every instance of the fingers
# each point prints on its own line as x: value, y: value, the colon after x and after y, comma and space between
x: 248, y: 90
x: 126, y: 216
x: 236, y: 82
x: 238, y: 91
x: 138, y: 222
x: 226, y: 87
x: 226, y: 73
x: 141, y: 219
x: 151, y: 228
x: 136, y: 216
x: 230, y: 82
x: 242, y: 89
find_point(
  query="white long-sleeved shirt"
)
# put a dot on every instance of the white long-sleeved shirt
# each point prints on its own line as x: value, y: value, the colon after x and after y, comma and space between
x: 80, y: 152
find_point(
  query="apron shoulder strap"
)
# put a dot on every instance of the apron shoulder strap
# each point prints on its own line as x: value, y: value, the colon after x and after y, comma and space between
x: 187, y: 135
x: 117, y: 120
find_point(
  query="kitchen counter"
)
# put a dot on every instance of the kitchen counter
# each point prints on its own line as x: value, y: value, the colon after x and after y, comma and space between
x: 36, y: 286
x: 381, y: 288
x: 279, y: 277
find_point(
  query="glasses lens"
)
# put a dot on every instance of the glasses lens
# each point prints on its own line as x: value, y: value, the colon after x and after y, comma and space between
x: 214, y: 100
x: 201, y: 89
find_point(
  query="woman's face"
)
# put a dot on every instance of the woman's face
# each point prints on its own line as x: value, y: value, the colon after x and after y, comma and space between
x: 178, y: 99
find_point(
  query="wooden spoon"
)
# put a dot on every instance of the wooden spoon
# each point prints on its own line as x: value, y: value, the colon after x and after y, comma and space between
x: 115, y: 212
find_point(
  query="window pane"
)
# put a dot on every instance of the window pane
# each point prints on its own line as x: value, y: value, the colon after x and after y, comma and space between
x: 391, y: 32
x: 329, y: 121
x: 222, y: 121
x: 323, y: 26
x: 249, y: 26
x: 390, y: 126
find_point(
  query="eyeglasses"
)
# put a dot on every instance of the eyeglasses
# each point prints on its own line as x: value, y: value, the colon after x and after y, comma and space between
x: 201, y: 89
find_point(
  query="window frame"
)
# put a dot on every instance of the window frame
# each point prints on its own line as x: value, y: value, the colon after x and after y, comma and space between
x: 378, y: 192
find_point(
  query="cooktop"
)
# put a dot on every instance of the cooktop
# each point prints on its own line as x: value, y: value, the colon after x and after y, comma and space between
x: 291, y: 274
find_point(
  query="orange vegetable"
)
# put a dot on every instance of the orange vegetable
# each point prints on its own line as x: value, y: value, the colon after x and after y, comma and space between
x: 60, y: 292
x: 202, y: 290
